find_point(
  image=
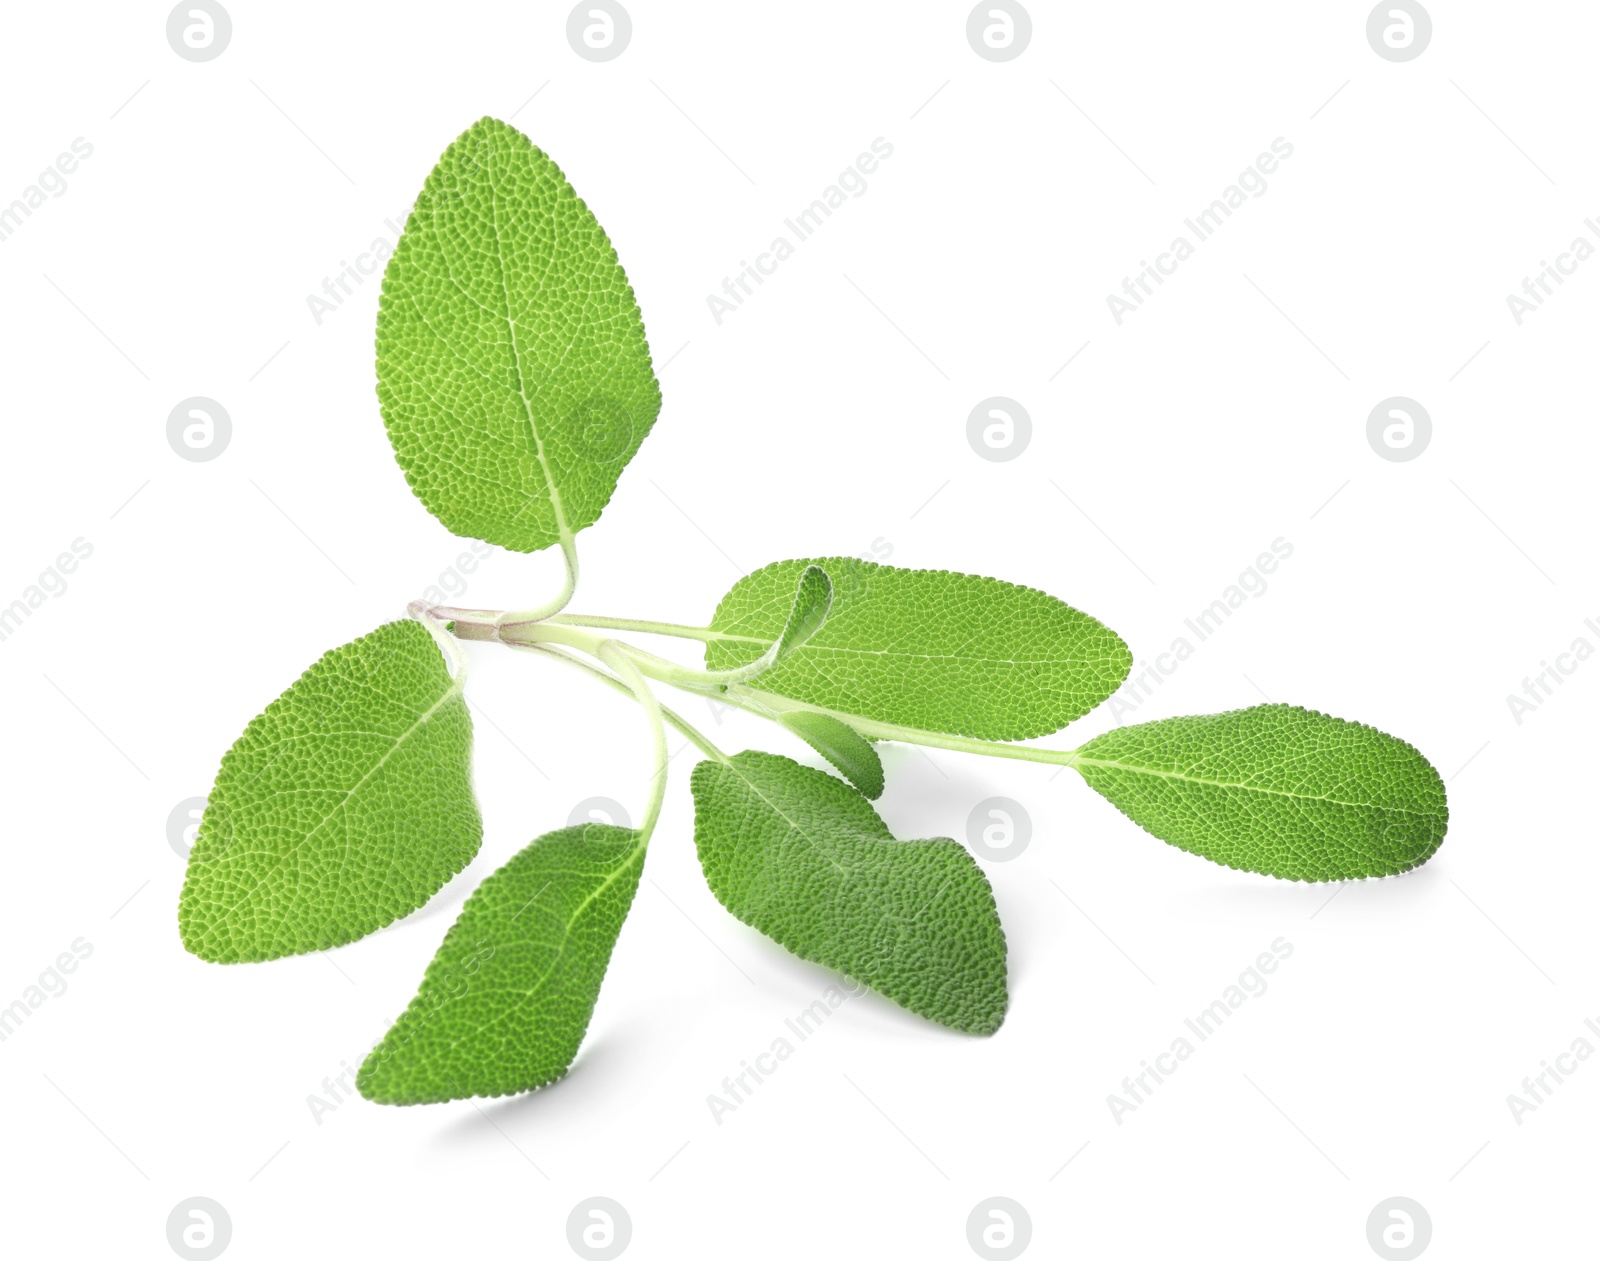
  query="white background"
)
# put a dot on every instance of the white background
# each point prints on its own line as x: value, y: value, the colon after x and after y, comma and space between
x: 821, y: 416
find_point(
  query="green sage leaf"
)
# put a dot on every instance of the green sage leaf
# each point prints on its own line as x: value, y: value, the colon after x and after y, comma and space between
x: 1275, y: 789
x: 805, y: 859
x: 924, y: 648
x: 345, y: 804
x: 851, y: 752
x: 513, y: 372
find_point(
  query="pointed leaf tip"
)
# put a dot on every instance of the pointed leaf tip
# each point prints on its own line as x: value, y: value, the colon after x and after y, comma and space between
x: 505, y: 1003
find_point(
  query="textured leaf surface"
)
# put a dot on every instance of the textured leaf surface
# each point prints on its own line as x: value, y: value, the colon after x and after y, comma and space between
x: 345, y: 804
x: 504, y: 1005
x: 513, y: 372
x: 852, y: 753
x: 1275, y: 789
x: 805, y: 859
x: 924, y: 648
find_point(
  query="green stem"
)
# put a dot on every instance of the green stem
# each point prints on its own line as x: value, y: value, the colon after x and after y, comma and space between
x: 703, y: 633
x: 612, y: 654
x: 658, y: 668
x: 684, y: 727
x: 769, y: 705
x: 569, y: 556
x: 725, y: 686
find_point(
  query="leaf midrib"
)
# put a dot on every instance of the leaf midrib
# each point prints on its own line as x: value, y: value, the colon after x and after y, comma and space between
x: 562, y: 527
x: 634, y: 856
x: 793, y: 826
x: 1081, y: 761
